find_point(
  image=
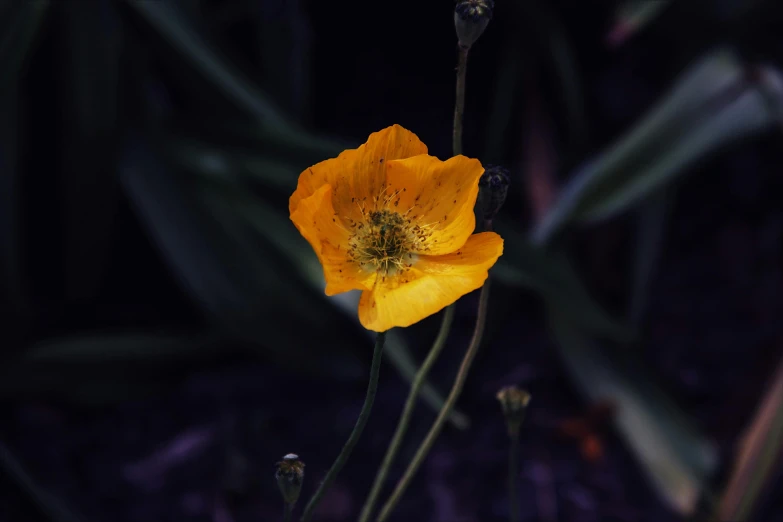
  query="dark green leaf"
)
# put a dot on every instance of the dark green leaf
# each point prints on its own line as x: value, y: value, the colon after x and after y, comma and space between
x: 166, y: 19
x: 90, y: 62
x: 20, y: 24
x: 758, y: 456
x: 123, y: 348
x: 711, y: 106
x: 50, y: 507
x: 105, y: 368
x: 651, y: 221
x: 507, y: 85
x: 284, y: 38
x: 677, y: 459
x: 242, y: 283
x: 632, y: 16
x: 551, y: 276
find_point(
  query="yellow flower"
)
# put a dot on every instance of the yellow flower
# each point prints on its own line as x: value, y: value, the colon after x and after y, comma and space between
x: 391, y: 221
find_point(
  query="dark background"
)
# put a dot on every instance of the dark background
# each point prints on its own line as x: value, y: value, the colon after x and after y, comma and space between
x: 165, y: 338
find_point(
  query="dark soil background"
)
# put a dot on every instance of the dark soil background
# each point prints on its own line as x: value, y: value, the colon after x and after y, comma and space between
x: 204, y: 447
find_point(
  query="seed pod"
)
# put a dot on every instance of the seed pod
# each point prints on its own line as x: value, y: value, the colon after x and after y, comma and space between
x: 471, y: 17
x: 289, y: 476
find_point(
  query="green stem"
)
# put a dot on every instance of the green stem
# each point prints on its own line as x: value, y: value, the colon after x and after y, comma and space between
x: 364, y: 415
x: 459, y: 104
x: 287, y: 511
x: 513, y: 461
x: 407, y: 413
x: 437, y: 426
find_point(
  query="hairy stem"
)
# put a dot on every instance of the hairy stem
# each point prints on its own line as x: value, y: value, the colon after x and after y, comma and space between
x: 459, y: 104
x: 443, y: 415
x: 364, y: 415
x: 513, y: 498
x: 407, y: 413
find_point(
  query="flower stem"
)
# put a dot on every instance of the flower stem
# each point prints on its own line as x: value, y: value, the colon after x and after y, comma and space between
x: 407, y: 413
x: 287, y: 511
x: 459, y: 104
x: 513, y: 460
x: 364, y: 415
x: 443, y: 415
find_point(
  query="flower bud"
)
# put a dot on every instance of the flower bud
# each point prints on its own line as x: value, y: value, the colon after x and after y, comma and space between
x: 493, y: 187
x: 514, y: 403
x: 471, y: 18
x: 289, y: 476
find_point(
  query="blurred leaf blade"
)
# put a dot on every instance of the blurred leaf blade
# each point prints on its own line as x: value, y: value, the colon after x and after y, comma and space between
x: 632, y: 16
x: 51, y: 508
x: 710, y: 105
x: 550, y: 275
x: 651, y: 220
x: 677, y: 459
x: 20, y: 28
x: 106, y: 367
x: 121, y: 347
x: 284, y: 37
x: 759, y: 455
x: 91, y: 68
x: 233, y: 276
x: 747, y: 115
x: 20, y: 25
x: 166, y: 19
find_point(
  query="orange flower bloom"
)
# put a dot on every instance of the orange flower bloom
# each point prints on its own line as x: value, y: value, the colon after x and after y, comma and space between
x: 391, y: 221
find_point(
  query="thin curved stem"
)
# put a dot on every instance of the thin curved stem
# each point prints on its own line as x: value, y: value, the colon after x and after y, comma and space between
x: 353, y: 438
x: 459, y: 104
x: 407, y: 413
x: 440, y: 421
x: 513, y: 463
x: 287, y: 511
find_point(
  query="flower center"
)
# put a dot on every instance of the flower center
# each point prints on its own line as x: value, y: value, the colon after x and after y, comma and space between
x: 385, y: 241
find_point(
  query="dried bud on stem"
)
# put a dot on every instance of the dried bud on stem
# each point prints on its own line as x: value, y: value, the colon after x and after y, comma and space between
x: 494, y: 189
x: 289, y: 476
x: 514, y: 403
x: 471, y: 17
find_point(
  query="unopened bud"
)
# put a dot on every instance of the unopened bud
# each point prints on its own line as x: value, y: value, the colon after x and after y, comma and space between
x: 471, y: 18
x: 289, y: 476
x: 514, y: 403
x: 493, y: 186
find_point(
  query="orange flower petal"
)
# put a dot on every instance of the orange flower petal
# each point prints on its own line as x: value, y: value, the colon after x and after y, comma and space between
x: 316, y: 221
x: 440, y: 195
x: 358, y: 175
x: 433, y: 283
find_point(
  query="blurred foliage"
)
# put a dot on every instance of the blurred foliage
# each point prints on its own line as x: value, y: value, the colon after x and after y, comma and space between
x: 759, y: 456
x: 210, y: 190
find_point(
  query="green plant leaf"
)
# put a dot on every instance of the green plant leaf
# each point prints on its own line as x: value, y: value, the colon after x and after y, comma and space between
x: 122, y: 348
x: 270, y: 126
x: 90, y: 62
x: 284, y: 39
x: 712, y: 105
x: 46, y: 504
x: 758, y: 456
x: 677, y: 459
x: 241, y: 283
x: 106, y: 367
x: 651, y: 220
x: 632, y: 16
x: 20, y: 25
x: 549, y: 274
